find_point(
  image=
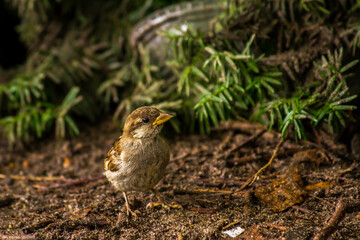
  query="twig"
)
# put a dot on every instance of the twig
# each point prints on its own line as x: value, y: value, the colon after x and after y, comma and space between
x: 212, y: 191
x: 217, y: 181
x: 224, y: 142
x: 203, y: 191
x: 235, y: 148
x: 317, y: 136
x: 231, y: 224
x: 250, y: 139
x: 71, y: 184
x: 323, y: 200
x: 334, y: 220
x: 34, y: 178
x: 31, y: 236
x: 341, y: 208
x: 278, y: 227
x: 233, y: 194
x: 261, y: 170
x: 184, y: 155
x: 301, y: 209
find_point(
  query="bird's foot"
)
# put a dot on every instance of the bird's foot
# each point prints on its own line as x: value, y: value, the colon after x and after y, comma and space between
x: 161, y: 202
x: 131, y: 213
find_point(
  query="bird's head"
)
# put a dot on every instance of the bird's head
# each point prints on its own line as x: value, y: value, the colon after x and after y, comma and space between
x: 145, y: 122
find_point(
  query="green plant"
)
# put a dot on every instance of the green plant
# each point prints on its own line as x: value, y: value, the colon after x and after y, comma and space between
x: 38, y: 117
x: 222, y: 81
x: 238, y: 83
x: 70, y: 50
x: 264, y: 60
x: 325, y: 103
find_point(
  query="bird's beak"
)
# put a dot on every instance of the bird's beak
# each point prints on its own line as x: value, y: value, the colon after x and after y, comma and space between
x: 164, y: 117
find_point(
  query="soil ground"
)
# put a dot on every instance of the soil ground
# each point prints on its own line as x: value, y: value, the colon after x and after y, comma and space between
x: 56, y: 189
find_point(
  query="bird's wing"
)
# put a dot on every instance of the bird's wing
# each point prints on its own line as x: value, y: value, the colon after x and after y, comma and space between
x: 110, y: 162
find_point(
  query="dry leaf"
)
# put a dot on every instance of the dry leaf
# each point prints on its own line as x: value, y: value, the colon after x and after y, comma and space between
x: 82, y: 213
x: 322, y: 185
x: 313, y: 155
x: 282, y: 193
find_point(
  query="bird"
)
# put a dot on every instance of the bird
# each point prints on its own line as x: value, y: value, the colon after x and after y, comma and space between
x: 137, y: 161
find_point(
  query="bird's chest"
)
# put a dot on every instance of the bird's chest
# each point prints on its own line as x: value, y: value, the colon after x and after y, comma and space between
x: 141, y: 165
x: 144, y: 152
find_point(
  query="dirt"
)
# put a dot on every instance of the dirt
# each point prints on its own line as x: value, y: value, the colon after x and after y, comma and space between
x: 56, y: 189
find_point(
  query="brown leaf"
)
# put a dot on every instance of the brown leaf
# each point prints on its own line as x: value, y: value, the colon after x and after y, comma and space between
x: 282, y: 193
x: 82, y: 213
x: 312, y: 155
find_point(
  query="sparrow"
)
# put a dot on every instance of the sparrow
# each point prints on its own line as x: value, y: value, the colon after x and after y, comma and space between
x: 137, y: 161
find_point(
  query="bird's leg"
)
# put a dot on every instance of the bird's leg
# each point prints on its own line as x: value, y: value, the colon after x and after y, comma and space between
x: 128, y: 209
x: 161, y: 202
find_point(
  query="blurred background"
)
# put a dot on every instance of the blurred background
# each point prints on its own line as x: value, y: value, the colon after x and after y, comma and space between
x: 291, y: 65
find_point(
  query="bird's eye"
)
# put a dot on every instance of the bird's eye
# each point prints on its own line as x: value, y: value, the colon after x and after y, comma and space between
x: 145, y: 120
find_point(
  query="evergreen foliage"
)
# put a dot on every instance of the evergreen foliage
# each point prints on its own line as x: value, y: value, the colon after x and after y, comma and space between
x: 274, y: 61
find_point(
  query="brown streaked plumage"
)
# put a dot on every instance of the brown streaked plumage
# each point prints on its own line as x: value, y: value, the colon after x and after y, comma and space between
x: 137, y: 161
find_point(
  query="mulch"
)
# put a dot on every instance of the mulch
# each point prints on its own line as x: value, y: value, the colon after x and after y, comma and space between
x: 56, y: 189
